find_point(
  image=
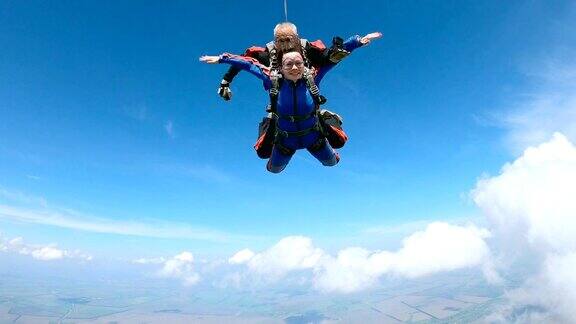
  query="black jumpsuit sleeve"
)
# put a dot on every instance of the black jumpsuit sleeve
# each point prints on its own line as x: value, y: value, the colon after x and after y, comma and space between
x: 318, y: 56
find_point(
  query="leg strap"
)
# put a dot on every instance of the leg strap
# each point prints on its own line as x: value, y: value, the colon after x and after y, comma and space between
x: 284, y: 149
x: 318, y: 145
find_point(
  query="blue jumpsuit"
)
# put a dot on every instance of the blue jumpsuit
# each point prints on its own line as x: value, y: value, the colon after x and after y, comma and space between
x: 294, y: 99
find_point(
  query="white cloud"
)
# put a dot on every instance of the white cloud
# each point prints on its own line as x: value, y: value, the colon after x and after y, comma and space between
x: 559, y: 283
x: 38, y: 252
x: 290, y: 253
x: 241, y: 257
x: 532, y: 212
x: 440, y: 247
x: 74, y: 220
x: 22, y: 198
x: 353, y: 269
x: 532, y: 201
x: 21, y: 207
x: 181, y: 267
x: 48, y: 253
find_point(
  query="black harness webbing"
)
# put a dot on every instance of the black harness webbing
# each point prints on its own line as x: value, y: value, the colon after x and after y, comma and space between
x: 276, y: 80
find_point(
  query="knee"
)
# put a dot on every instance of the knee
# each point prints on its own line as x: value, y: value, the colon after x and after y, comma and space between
x: 274, y: 169
x: 329, y: 163
x: 333, y: 161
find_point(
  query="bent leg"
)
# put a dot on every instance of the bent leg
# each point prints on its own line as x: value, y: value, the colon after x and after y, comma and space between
x: 279, y: 159
x: 324, y: 153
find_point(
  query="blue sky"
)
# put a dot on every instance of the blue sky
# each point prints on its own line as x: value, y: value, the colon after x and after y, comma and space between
x: 109, y: 122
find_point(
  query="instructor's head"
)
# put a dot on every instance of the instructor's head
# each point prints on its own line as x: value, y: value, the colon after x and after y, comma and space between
x: 292, y: 65
x: 286, y: 36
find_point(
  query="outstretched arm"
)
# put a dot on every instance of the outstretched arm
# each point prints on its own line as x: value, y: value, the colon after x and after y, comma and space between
x: 349, y: 45
x: 259, y: 53
x: 369, y: 37
x: 241, y: 62
x: 354, y: 42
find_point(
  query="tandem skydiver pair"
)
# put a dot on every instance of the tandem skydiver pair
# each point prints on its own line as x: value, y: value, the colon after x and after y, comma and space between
x: 291, y: 70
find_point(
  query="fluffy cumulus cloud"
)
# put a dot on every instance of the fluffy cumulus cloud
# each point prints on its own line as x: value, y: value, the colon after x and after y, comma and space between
x: 440, y: 247
x: 48, y: 253
x: 530, y: 237
x: 39, y: 252
x: 423, y: 253
x: 290, y: 253
x: 241, y: 257
x: 532, y: 211
x: 180, y: 267
x: 532, y: 200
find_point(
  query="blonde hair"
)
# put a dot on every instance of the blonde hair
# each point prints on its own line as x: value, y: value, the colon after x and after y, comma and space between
x: 285, y: 26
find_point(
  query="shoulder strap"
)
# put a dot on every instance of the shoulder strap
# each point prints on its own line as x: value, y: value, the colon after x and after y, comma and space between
x: 313, y: 88
x: 273, y: 56
x: 303, y: 45
x: 276, y: 79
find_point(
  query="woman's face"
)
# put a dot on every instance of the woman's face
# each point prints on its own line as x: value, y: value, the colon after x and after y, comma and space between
x: 292, y: 66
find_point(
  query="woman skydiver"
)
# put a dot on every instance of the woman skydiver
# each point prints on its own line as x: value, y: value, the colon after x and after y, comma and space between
x: 297, y: 108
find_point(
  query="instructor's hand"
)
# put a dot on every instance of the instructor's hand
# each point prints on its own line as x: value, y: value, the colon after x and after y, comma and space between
x: 210, y: 59
x: 368, y: 38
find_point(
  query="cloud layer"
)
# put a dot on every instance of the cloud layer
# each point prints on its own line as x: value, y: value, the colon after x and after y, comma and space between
x: 423, y: 253
x: 180, y: 266
x: 73, y: 220
x: 532, y: 211
x: 44, y: 253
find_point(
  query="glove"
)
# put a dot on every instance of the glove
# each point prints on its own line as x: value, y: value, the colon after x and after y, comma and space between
x: 224, y: 90
x: 337, y: 51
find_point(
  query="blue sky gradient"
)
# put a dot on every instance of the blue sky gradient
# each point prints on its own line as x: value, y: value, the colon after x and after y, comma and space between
x: 107, y: 117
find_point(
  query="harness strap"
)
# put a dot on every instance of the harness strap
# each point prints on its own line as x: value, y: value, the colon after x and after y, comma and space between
x: 273, y: 55
x: 297, y: 118
x: 283, y: 133
x: 314, y: 91
x: 275, y: 78
x: 303, y: 43
x: 284, y: 149
x: 318, y: 145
